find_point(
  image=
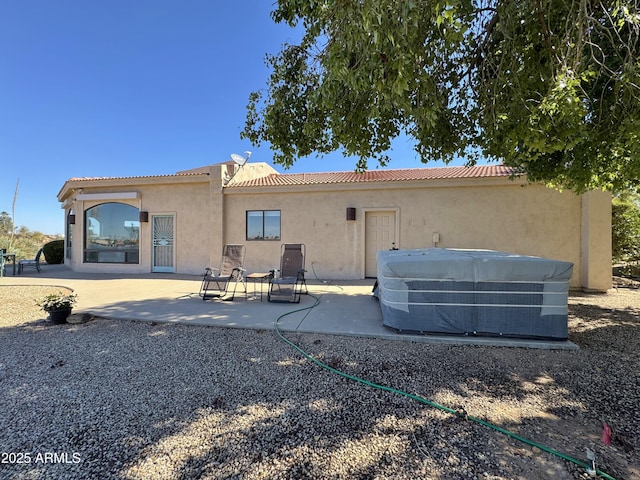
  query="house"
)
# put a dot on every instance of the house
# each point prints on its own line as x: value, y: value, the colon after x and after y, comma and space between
x: 179, y: 223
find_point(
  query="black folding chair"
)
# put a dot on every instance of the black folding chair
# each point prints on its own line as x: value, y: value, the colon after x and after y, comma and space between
x: 286, y: 285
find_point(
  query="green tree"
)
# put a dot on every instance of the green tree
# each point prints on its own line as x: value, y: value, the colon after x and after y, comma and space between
x: 6, y: 224
x: 22, y: 241
x: 551, y: 87
x: 625, y: 227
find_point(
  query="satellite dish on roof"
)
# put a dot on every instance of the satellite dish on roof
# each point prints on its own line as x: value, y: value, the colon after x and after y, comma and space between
x: 239, y: 159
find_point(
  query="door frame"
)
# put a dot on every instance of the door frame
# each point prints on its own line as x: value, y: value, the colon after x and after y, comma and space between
x: 171, y: 269
x: 363, y: 233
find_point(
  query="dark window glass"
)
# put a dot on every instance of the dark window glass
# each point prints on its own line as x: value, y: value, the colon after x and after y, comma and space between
x: 263, y: 225
x: 111, y: 234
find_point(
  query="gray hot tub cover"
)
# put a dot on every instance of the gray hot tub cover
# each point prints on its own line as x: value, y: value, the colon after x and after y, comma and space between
x: 473, y: 292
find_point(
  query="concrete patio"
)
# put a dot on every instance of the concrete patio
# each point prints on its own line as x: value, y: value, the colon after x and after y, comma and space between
x: 343, y: 307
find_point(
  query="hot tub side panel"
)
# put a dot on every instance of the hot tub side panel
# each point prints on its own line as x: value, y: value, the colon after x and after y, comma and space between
x: 534, y: 305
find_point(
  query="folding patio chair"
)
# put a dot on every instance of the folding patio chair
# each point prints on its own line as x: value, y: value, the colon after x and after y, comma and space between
x: 286, y: 285
x: 216, y: 282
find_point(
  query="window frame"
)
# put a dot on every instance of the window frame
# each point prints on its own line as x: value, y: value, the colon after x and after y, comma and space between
x: 263, y: 231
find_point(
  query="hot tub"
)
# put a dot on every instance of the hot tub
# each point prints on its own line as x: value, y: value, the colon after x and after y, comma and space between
x: 473, y: 292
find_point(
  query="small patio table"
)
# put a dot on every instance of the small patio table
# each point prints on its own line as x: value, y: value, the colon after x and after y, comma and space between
x: 254, y: 277
x: 8, y: 256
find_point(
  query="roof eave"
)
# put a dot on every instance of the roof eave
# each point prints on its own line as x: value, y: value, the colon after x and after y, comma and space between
x: 74, y: 184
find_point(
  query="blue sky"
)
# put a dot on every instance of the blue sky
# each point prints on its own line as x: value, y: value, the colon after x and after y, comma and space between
x: 126, y: 88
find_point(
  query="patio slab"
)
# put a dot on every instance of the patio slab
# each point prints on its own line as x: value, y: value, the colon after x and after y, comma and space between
x: 344, y: 307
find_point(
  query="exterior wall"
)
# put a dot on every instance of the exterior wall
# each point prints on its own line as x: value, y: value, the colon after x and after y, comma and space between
x: 498, y: 215
x: 188, y: 202
x: 216, y: 213
x: 315, y: 219
x: 596, y: 241
x: 484, y: 213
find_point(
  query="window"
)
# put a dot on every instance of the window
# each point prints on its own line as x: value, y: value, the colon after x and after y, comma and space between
x: 263, y: 224
x: 111, y: 234
x: 71, y: 220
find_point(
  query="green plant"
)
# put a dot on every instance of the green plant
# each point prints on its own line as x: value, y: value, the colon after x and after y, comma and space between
x: 57, y: 301
x: 25, y: 243
x: 54, y: 251
x: 625, y: 229
x: 551, y: 89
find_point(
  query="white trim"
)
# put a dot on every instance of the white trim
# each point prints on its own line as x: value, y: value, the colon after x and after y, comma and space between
x: 108, y: 196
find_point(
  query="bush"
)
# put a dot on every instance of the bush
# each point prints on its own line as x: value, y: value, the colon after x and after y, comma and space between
x: 54, y: 251
x: 625, y: 229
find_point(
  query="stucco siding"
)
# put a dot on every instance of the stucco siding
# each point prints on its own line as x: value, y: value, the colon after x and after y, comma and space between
x: 193, y: 223
x: 484, y: 211
x: 530, y: 220
x: 596, y: 240
x: 188, y: 203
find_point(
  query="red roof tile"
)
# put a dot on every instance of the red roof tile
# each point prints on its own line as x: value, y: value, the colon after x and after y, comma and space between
x: 393, y: 175
x: 407, y: 174
x: 186, y: 173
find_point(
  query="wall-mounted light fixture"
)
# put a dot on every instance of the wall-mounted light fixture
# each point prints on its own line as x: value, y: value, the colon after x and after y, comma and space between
x: 351, y: 214
x: 144, y: 216
x: 72, y: 218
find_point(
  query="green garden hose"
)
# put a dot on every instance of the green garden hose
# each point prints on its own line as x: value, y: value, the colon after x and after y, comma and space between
x: 459, y: 413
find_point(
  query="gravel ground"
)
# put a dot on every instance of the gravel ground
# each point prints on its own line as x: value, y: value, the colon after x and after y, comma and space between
x: 104, y: 398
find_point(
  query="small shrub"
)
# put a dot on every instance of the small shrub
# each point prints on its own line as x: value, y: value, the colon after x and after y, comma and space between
x: 54, y: 251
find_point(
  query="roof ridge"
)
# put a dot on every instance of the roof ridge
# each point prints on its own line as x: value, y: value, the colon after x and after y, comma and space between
x: 439, y: 167
x: 178, y: 174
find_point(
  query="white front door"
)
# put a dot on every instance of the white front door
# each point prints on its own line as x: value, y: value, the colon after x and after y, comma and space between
x: 163, y: 251
x: 380, y: 234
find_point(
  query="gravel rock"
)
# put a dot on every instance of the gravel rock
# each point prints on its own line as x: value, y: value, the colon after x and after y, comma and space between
x: 105, y: 398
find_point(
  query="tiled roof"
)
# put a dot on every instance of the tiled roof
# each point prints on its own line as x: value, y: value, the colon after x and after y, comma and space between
x: 185, y: 173
x: 393, y: 175
x: 407, y: 174
x: 182, y: 173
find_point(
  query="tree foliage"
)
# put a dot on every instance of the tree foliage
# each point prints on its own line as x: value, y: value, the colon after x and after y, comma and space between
x: 551, y: 87
x: 23, y: 242
x: 6, y: 224
x: 625, y: 228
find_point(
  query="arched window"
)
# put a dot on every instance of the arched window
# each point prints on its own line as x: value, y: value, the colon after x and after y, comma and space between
x: 111, y: 234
